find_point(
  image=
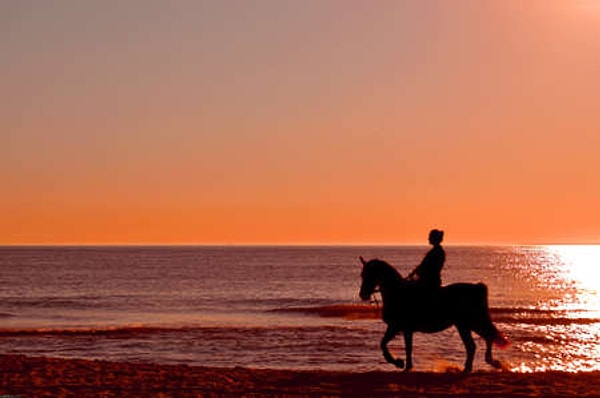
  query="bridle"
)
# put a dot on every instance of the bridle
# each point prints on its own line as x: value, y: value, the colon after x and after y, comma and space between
x: 374, y: 296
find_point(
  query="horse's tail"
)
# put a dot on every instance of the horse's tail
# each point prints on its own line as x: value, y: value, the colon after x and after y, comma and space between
x: 489, y: 330
x: 501, y: 340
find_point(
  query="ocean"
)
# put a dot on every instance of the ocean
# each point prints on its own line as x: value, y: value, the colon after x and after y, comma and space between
x: 289, y: 307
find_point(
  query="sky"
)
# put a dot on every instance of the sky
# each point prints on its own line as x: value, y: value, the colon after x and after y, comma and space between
x: 299, y: 122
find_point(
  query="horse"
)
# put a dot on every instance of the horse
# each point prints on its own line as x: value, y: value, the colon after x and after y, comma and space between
x: 409, y: 308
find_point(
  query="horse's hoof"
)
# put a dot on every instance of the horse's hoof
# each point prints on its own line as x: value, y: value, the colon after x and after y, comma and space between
x: 496, y: 364
x: 399, y: 363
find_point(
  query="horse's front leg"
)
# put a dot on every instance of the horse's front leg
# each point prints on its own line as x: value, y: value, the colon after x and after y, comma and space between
x: 390, y: 333
x: 408, y: 342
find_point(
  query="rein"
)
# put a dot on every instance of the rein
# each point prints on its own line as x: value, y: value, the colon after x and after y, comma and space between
x: 374, y: 296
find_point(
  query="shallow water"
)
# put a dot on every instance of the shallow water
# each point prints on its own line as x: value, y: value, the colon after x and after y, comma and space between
x: 286, y: 307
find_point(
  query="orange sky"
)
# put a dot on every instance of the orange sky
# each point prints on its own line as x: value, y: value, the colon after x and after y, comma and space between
x: 300, y: 122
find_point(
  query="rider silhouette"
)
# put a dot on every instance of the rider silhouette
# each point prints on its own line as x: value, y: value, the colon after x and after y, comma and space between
x: 428, y: 273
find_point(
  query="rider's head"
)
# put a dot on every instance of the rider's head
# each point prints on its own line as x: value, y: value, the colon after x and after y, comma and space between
x: 436, y: 236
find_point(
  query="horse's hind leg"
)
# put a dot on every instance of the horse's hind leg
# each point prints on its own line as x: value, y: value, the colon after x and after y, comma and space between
x: 488, y: 354
x: 489, y: 332
x: 408, y: 341
x: 467, y: 338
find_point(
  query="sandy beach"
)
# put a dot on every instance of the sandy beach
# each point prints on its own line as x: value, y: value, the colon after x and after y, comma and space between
x: 51, y: 377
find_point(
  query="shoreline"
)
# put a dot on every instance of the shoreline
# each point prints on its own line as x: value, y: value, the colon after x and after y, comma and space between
x: 23, y: 376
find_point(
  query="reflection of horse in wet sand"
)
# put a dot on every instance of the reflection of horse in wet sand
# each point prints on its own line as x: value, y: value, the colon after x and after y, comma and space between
x: 410, y: 308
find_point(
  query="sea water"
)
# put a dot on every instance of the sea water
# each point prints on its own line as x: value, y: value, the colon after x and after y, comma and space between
x: 293, y: 307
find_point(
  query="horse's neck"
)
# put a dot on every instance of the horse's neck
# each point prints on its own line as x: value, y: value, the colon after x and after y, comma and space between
x: 390, y: 282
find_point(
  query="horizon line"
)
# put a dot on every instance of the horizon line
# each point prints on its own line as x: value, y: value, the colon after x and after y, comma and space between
x: 287, y: 244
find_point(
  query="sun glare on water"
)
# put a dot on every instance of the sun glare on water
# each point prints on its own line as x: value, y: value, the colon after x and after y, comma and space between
x: 581, y: 264
x: 571, y: 346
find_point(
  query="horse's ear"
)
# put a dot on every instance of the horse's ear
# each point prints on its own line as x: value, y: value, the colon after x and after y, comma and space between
x: 362, y: 260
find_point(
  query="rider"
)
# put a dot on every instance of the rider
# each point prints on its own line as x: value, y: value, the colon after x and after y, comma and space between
x: 428, y: 273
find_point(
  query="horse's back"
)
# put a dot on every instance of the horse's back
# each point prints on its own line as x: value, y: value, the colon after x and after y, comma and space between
x: 432, y: 309
x: 444, y: 305
x: 465, y: 302
x: 465, y: 291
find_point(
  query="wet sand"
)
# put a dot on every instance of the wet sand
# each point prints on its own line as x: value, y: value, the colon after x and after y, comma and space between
x: 50, y: 377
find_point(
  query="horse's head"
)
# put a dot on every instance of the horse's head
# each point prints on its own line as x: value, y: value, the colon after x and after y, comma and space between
x: 369, y: 280
x: 376, y: 273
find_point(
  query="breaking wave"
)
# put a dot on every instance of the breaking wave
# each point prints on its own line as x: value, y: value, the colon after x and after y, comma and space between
x: 346, y: 311
x: 510, y: 315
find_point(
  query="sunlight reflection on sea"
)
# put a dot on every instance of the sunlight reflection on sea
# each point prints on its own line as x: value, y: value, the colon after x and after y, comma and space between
x: 572, y: 271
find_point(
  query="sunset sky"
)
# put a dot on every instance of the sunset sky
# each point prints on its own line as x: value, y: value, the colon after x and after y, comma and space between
x: 276, y: 122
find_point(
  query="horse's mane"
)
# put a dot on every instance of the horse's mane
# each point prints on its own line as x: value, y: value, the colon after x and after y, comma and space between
x: 386, y: 269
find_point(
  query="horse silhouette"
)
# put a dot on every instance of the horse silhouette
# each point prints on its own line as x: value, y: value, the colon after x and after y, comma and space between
x: 409, y: 308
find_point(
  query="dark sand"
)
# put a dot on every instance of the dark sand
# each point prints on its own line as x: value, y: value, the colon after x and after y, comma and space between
x: 49, y: 377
